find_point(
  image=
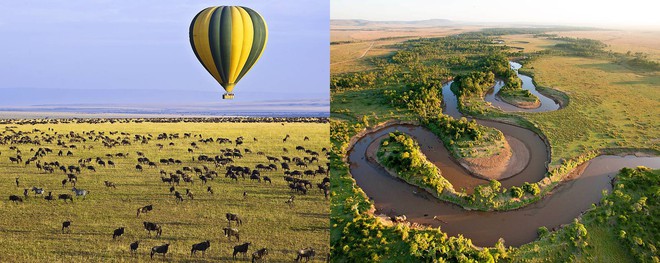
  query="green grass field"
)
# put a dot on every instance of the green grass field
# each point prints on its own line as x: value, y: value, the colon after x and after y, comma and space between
x: 30, y: 231
x: 613, y: 106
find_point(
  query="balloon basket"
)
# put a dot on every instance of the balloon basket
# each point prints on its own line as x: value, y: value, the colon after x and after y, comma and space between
x: 228, y: 96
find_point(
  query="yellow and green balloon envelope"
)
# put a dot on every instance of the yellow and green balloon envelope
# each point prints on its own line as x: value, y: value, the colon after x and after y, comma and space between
x: 228, y: 41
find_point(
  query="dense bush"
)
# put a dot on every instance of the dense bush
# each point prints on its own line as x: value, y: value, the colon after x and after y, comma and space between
x: 424, y: 100
x: 475, y: 83
x: 633, y: 210
x: 401, y: 153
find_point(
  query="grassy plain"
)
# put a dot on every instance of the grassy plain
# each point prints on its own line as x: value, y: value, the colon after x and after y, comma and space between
x: 528, y: 42
x: 30, y: 231
x: 376, y: 41
x: 613, y: 106
x: 622, y: 41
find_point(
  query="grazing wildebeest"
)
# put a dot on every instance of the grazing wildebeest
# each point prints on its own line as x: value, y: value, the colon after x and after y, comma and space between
x: 37, y: 191
x: 200, y: 247
x: 255, y: 177
x: 117, y: 233
x: 15, y: 198
x: 160, y: 250
x: 80, y: 192
x: 241, y: 249
x: 189, y: 194
x: 259, y: 254
x: 134, y: 246
x: 229, y: 232
x: 305, y: 253
x: 172, y: 189
x: 66, y: 225
x: 138, y: 167
x: 178, y: 196
x: 25, y: 193
x: 65, y: 197
x: 290, y: 201
x: 49, y: 197
x: 149, y: 226
x: 209, y: 190
x: 17, y: 182
x: 145, y: 209
x: 267, y: 179
x: 306, y: 138
x: 110, y: 184
x: 233, y: 217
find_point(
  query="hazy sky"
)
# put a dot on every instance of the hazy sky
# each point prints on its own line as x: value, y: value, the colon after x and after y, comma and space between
x: 587, y: 12
x: 128, y: 45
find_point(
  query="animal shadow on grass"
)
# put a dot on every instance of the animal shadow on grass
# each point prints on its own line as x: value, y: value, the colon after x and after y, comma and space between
x: 314, y: 215
x: 181, y: 224
x: 86, y: 254
x: 311, y: 228
x: 18, y: 231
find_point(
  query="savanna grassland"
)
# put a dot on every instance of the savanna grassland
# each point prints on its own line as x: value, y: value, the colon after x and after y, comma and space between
x: 614, y: 106
x: 31, y: 230
x: 352, y: 47
x: 609, y: 100
x: 624, y: 40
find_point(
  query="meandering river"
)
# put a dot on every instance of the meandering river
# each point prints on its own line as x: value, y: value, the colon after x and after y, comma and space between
x: 547, y: 103
x: 517, y: 227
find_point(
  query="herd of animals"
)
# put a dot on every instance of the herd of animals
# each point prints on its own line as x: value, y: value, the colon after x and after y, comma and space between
x: 297, y: 165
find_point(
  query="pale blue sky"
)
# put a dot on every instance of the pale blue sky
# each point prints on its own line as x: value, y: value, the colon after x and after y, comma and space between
x: 575, y: 12
x: 143, y: 45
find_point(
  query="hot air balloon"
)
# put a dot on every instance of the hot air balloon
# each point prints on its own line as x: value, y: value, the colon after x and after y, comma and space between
x: 228, y: 41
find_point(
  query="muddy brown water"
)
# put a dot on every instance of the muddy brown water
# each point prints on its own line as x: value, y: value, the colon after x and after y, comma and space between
x: 517, y: 227
x: 547, y: 103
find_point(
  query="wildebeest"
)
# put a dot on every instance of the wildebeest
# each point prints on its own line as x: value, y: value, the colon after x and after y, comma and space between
x: 255, y: 177
x: 80, y: 192
x: 66, y: 225
x: 118, y: 232
x: 178, y: 196
x: 203, y: 246
x: 229, y: 232
x: 134, y: 246
x: 233, y: 217
x: 65, y: 197
x: 110, y: 184
x: 149, y: 226
x: 259, y: 254
x: 290, y: 201
x: 160, y: 250
x: 145, y: 209
x: 49, y: 197
x: 15, y: 198
x: 241, y: 249
x: 209, y: 190
x: 305, y: 253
